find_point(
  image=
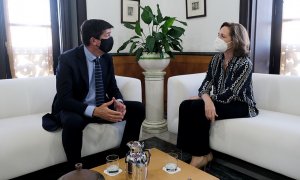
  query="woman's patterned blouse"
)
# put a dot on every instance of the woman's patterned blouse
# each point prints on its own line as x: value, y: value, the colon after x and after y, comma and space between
x: 232, y: 84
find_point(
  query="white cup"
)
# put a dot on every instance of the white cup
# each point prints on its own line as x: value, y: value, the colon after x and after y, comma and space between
x: 112, y: 162
x: 172, y: 162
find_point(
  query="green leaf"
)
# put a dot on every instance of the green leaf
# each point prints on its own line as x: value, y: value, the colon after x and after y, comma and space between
x: 158, y: 36
x: 138, y: 53
x: 150, y: 41
x: 169, y: 22
x: 175, y: 31
x: 134, y: 37
x: 184, y: 23
x: 124, y: 45
x: 138, y: 29
x: 158, y: 46
x: 166, y: 47
x: 174, y: 41
x: 164, y: 29
x: 128, y: 25
x: 155, y: 22
x: 166, y: 44
x: 133, y: 46
x: 147, y: 15
x: 159, y: 15
x: 170, y: 54
x: 181, y: 48
x: 176, y: 48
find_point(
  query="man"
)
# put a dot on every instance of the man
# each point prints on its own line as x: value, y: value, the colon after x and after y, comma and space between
x: 87, y: 91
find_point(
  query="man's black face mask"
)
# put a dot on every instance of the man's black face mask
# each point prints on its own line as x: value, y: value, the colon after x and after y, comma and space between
x: 106, y: 44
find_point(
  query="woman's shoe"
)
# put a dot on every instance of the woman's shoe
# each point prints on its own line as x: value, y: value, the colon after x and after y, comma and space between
x: 209, y: 157
x: 199, y: 161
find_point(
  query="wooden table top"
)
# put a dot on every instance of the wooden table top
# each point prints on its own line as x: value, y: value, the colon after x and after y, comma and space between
x: 156, y: 172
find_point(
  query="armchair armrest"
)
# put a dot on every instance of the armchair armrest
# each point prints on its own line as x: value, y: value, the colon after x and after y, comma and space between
x: 130, y: 88
x: 180, y: 88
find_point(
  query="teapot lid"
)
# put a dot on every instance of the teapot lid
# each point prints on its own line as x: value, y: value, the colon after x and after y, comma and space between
x: 82, y: 174
x: 135, y: 146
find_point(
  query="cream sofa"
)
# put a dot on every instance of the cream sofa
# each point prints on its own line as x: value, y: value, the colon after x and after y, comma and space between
x: 25, y: 146
x: 270, y: 140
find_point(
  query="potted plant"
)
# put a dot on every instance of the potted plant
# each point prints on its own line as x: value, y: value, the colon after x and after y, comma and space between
x: 155, y: 43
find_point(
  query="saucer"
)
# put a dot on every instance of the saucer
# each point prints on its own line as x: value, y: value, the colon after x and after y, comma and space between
x: 171, y: 172
x: 114, y: 173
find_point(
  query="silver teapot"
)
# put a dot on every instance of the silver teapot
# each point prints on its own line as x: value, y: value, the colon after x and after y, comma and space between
x: 137, y: 161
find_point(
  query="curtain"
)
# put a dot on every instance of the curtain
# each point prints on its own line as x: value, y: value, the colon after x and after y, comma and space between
x: 245, y: 14
x: 71, y: 15
x: 4, y: 61
x: 55, y: 33
x: 81, y: 15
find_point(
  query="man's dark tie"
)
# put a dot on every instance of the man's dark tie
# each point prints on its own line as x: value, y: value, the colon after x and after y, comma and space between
x: 99, y: 88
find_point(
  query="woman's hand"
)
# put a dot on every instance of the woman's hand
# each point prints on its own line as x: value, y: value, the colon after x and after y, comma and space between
x: 210, y: 110
x: 194, y: 97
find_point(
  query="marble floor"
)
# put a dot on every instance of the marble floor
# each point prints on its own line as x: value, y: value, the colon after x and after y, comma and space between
x: 166, y: 136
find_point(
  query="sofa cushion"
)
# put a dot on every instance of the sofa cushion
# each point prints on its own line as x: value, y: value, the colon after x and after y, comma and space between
x: 277, y: 92
x: 25, y: 96
x: 270, y: 140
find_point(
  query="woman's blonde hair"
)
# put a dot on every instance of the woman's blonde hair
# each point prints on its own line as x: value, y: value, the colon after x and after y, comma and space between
x: 240, y: 38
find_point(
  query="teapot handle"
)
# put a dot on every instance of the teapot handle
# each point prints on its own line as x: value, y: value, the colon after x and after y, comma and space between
x: 126, y: 160
x: 147, y: 151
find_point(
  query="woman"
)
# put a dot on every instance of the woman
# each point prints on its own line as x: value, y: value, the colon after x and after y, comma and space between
x: 229, y: 75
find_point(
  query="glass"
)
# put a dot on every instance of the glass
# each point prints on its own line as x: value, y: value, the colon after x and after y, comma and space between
x: 172, y: 161
x: 112, y: 162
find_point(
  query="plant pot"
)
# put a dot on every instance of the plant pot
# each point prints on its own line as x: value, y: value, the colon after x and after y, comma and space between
x: 151, y: 62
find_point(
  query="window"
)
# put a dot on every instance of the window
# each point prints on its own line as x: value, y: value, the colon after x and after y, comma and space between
x: 29, y: 37
x: 290, y: 41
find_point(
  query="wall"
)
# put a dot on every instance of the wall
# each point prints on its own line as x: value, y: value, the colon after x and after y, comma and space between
x: 200, y: 32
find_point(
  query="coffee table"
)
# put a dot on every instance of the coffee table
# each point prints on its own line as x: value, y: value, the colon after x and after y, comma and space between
x: 155, y: 170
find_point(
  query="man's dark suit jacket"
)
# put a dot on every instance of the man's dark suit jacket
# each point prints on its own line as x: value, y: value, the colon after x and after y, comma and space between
x: 72, y: 82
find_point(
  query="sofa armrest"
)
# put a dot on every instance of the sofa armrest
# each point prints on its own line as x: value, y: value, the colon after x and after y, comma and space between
x: 180, y: 88
x: 130, y: 88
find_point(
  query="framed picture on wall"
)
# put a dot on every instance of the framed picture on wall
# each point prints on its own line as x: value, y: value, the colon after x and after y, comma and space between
x: 195, y: 8
x: 130, y: 11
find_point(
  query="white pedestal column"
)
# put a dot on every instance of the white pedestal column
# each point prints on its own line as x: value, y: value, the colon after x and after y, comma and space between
x: 154, y: 92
